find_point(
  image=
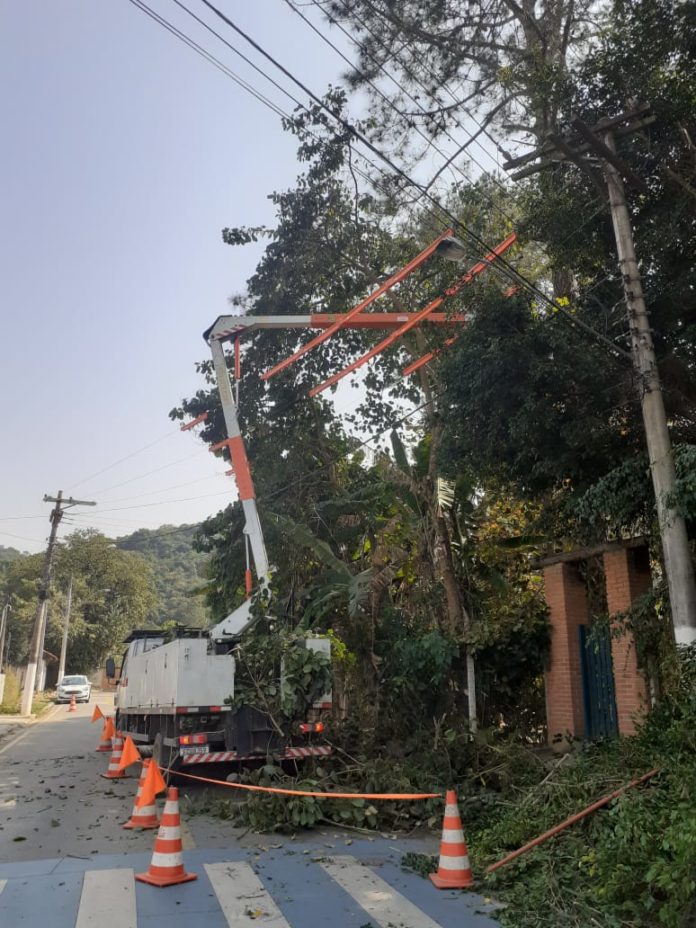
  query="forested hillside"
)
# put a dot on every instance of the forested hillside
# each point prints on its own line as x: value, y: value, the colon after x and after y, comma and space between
x: 178, y: 571
x: 7, y: 555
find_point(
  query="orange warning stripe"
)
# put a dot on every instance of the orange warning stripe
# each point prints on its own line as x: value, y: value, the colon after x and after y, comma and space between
x: 302, y: 792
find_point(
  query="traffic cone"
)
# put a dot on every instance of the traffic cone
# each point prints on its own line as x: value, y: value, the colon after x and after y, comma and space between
x: 106, y: 736
x: 142, y: 816
x: 167, y: 864
x: 115, y: 772
x: 454, y: 869
x: 97, y: 714
x: 73, y: 705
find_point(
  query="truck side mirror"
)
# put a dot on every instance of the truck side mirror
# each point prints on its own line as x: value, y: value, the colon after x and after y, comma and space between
x: 110, y: 668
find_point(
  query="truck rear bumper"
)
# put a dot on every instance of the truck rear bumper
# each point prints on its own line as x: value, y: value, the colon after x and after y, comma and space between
x: 222, y: 757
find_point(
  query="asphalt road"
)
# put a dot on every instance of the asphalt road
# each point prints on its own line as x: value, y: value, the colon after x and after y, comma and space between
x: 66, y: 862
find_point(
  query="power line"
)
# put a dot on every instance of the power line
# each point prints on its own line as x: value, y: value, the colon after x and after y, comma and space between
x: 126, y: 457
x: 400, y: 172
x: 449, y: 160
x: 187, y: 40
x: 149, y: 473
x: 393, y: 55
x: 501, y: 265
x: 38, y: 541
x: 471, y: 137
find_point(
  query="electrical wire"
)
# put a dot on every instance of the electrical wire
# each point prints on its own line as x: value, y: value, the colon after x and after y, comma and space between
x: 126, y: 457
x: 449, y: 160
x: 499, y: 265
x: 471, y: 138
x: 22, y: 537
x: 473, y: 237
x: 187, y: 40
x: 149, y: 473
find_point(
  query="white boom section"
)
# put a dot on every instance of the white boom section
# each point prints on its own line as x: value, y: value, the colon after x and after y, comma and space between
x: 237, y: 621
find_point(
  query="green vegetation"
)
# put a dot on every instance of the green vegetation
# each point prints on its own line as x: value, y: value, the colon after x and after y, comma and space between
x: 146, y: 579
x: 178, y: 571
x: 526, y: 435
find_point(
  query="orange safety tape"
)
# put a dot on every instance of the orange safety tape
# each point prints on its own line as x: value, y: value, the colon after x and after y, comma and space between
x: 301, y: 792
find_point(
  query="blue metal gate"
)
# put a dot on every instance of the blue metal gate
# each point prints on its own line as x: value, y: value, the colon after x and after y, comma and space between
x: 598, y: 684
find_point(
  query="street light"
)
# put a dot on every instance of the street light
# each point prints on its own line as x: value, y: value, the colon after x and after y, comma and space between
x: 452, y: 249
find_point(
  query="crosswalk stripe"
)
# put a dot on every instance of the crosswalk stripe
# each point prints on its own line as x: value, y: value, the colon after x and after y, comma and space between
x: 382, y: 903
x: 242, y: 897
x: 107, y: 900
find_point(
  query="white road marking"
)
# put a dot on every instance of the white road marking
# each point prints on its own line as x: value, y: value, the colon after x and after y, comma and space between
x: 242, y: 897
x: 382, y: 903
x: 107, y: 900
x: 3, y: 884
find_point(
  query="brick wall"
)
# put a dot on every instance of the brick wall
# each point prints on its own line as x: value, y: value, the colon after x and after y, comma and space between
x: 628, y: 577
x: 567, y: 602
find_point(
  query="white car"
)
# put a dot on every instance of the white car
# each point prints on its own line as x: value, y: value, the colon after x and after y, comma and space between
x: 77, y: 686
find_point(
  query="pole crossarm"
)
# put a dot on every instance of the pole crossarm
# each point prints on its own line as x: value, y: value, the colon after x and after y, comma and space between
x: 583, y: 141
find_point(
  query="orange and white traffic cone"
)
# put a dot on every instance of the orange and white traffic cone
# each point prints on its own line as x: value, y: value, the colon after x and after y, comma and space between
x: 73, y: 705
x: 167, y: 864
x: 115, y: 772
x: 108, y: 733
x: 454, y: 869
x: 142, y: 816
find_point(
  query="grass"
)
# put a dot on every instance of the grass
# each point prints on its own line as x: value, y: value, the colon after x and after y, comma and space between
x: 11, y: 700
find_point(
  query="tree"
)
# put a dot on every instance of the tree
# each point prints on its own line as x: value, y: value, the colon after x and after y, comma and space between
x: 113, y: 592
x: 179, y: 572
x: 508, y: 61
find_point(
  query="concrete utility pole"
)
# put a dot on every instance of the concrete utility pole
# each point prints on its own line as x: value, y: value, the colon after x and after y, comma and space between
x: 675, y: 542
x: 3, y: 631
x: 575, y: 148
x: 36, y: 647
x: 66, y: 627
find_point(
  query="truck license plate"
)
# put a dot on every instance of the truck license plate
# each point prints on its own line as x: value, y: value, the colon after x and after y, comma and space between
x: 196, y: 749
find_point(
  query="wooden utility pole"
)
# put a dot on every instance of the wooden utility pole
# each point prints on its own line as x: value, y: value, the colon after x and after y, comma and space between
x: 599, y: 142
x: 35, y: 648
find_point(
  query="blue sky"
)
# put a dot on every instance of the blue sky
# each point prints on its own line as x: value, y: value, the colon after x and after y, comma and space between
x: 124, y: 154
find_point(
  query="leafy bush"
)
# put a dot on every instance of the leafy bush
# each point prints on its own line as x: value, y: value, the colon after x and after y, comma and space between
x: 630, y: 864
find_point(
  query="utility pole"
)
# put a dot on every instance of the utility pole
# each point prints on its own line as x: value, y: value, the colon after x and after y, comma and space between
x: 66, y: 626
x: 599, y: 143
x: 3, y: 630
x: 36, y: 647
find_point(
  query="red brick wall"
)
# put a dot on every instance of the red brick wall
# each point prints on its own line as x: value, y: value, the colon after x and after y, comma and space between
x: 567, y: 602
x: 628, y: 577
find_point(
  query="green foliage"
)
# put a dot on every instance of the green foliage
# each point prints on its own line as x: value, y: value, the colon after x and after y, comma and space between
x: 631, y: 864
x: 278, y: 674
x: 179, y: 571
x: 113, y: 592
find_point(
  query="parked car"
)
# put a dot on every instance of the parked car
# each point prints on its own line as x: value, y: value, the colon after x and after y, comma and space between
x: 77, y: 686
